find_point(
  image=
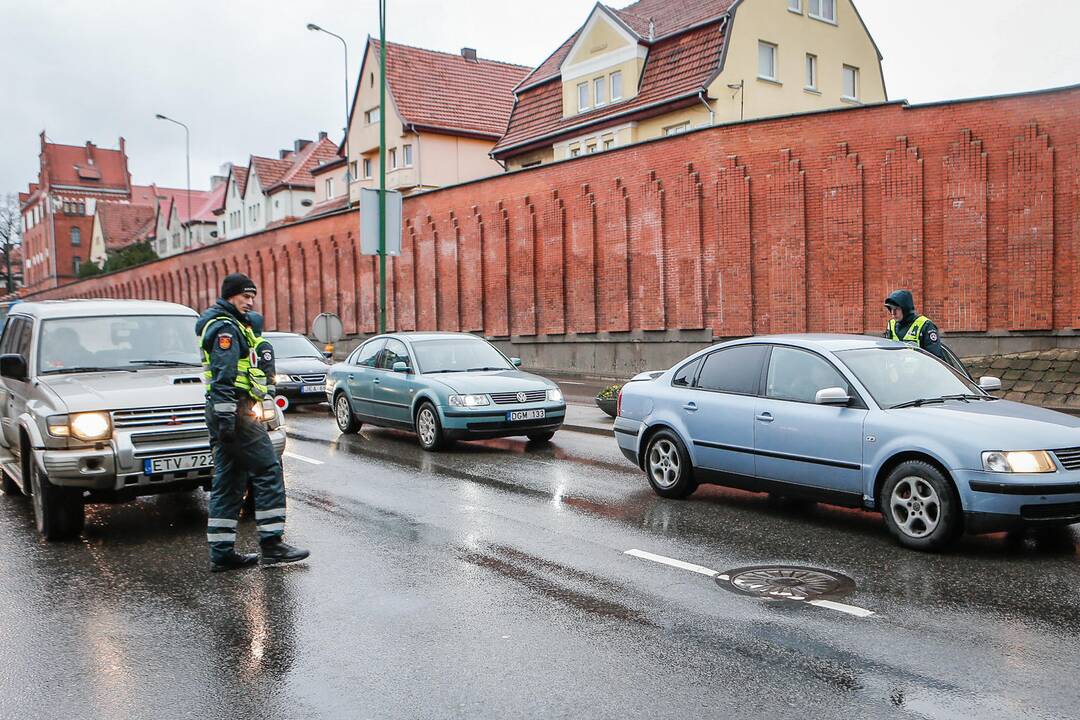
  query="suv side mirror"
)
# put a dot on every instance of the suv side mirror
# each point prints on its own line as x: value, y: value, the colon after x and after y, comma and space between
x: 516, y: 362
x: 990, y: 384
x: 400, y: 367
x: 13, y: 366
x: 832, y: 396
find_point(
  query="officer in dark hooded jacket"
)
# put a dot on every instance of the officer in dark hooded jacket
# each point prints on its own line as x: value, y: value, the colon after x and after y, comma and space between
x: 905, y: 326
x: 241, y: 446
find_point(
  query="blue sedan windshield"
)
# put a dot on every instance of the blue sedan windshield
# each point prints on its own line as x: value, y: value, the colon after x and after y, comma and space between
x: 902, y: 375
x: 458, y: 354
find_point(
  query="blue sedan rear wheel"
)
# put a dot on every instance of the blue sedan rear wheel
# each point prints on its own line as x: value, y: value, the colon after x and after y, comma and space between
x: 667, y: 465
x: 921, y: 506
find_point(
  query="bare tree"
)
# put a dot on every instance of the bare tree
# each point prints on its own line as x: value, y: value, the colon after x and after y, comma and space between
x: 10, y: 234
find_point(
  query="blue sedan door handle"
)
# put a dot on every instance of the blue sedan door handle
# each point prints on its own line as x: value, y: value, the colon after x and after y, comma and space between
x: 375, y: 381
x: 765, y: 417
x: 690, y: 407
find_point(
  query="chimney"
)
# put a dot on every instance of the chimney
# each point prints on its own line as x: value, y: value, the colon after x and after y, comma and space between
x: 652, y: 30
x: 299, y: 145
x: 469, y: 54
x: 89, y: 153
x: 322, y: 135
x: 283, y: 153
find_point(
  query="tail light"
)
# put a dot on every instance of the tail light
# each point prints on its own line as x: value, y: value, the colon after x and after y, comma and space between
x: 618, y: 403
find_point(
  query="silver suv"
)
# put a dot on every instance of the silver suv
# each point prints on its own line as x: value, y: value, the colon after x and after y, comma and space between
x: 102, y: 401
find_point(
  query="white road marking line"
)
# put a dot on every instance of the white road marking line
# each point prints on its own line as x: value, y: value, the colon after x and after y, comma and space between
x: 301, y: 458
x: 829, y: 604
x: 841, y: 607
x: 672, y: 562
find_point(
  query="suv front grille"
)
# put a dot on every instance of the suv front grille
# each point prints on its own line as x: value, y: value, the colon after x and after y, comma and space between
x: 148, y: 417
x: 1069, y: 458
x: 511, y: 398
x: 310, y: 379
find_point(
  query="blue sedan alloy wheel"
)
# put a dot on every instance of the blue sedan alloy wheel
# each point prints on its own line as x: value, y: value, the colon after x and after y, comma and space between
x: 920, y: 506
x: 343, y: 415
x: 668, y: 467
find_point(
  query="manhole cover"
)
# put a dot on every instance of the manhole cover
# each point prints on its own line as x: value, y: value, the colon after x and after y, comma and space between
x: 786, y: 582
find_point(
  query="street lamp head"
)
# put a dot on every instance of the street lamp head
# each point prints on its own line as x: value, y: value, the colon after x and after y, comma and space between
x: 159, y: 116
x: 313, y: 26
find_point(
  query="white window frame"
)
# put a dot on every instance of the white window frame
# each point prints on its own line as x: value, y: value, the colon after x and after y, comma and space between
x: 609, y: 143
x: 599, y: 88
x: 372, y: 116
x: 819, y: 13
x: 775, y: 77
x: 329, y: 188
x: 794, y: 6
x: 616, y: 95
x: 393, y: 158
x: 575, y: 152
x: 582, y: 102
x: 811, y: 72
x: 367, y: 168
x: 843, y: 83
x: 406, y: 155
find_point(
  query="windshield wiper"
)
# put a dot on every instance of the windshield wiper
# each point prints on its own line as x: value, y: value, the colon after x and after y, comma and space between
x: 86, y: 370
x: 448, y: 370
x: 164, y: 363
x: 923, y: 401
x: 481, y: 369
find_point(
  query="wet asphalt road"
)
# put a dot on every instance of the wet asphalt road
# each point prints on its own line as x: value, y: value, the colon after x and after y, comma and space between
x: 491, y: 582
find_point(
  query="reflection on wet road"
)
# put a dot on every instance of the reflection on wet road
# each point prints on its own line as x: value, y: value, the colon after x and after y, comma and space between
x: 490, y: 581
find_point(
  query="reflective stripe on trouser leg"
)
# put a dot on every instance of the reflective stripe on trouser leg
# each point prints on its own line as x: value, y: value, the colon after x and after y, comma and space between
x: 226, y: 495
x: 267, y: 481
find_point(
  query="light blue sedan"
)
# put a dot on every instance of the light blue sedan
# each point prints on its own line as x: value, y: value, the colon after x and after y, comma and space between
x: 444, y: 387
x: 859, y: 422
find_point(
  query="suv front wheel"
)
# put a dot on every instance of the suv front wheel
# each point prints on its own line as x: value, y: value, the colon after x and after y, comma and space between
x: 58, y: 511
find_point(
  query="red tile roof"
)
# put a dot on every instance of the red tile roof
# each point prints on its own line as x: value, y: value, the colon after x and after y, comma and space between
x: 86, y: 167
x: 326, y: 206
x: 123, y: 224
x: 269, y: 170
x: 678, y: 66
x: 327, y: 166
x: 302, y: 163
x: 240, y: 173
x: 179, y: 199
x: 215, y: 199
x: 473, y: 98
x: 668, y: 16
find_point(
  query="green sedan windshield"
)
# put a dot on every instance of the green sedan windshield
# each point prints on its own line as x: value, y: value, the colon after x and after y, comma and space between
x: 458, y: 354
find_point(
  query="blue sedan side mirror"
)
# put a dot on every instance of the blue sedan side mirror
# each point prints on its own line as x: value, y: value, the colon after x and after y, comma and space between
x: 516, y: 362
x: 400, y: 367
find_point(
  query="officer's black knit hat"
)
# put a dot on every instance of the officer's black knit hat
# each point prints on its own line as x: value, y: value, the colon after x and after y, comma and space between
x: 237, y: 284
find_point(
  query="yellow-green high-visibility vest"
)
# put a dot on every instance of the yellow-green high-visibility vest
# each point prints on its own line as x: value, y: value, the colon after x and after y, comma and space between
x: 249, y: 377
x: 911, y: 337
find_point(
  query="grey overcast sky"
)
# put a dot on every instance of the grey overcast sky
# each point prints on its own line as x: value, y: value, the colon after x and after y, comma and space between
x: 248, y: 78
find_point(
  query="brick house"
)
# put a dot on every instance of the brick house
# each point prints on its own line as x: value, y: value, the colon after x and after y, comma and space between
x: 445, y: 112
x: 662, y: 67
x: 58, y: 211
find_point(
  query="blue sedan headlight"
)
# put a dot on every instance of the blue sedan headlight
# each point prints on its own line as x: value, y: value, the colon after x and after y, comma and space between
x: 554, y: 395
x: 1033, y: 461
x: 469, y: 400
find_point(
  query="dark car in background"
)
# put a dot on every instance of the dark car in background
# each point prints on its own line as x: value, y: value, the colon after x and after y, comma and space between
x: 301, y: 370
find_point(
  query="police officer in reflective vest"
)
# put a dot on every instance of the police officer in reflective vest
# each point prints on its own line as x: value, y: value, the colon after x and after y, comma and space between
x: 242, y: 449
x: 905, y: 326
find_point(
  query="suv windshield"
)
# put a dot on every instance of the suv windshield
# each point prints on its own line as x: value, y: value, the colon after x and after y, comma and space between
x: 294, y: 346
x: 905, y: 375
x: 120, y: 342
x: 458, y: 354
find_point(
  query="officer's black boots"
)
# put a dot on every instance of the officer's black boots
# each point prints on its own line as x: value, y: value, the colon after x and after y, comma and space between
x: 233, y: 560
x: 276, y: 552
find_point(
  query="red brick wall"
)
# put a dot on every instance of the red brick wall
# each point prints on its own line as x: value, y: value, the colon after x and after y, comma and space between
x: 796, y: 224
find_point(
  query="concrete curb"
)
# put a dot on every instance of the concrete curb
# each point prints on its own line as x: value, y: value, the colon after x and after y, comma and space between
x: 588, y: 430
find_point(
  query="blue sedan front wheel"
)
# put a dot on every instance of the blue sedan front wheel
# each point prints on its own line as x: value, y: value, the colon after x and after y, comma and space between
x: 667, y: 465
x: 921, y: 507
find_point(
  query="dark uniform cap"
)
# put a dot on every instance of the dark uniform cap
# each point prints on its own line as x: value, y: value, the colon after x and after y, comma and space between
x: 237, y: 284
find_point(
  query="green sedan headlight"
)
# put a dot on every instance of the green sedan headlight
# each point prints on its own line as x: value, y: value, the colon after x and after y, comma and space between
x: 90, y: 426
x: 469, y: 400
x: 554, y: 395
x: 1020, y: 461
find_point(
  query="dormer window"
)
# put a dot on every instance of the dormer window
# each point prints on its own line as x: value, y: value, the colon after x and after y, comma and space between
x: 600, y: 91
x: 582, y: 97
x: 616, y: 85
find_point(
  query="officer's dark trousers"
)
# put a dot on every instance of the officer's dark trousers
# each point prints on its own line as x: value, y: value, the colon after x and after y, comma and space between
x: 250, y: 456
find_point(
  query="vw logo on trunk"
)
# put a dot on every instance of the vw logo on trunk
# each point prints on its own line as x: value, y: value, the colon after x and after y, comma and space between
x: 522, y: 397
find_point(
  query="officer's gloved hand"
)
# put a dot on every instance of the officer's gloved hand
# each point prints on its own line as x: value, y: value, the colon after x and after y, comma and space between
x: 226, y: 434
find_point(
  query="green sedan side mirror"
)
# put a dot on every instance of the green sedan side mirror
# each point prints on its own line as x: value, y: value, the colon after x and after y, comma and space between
x: 516, y: 362
x: 400, y: 367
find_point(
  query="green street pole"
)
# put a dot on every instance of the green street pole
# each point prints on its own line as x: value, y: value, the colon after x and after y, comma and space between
x: 382, y: 166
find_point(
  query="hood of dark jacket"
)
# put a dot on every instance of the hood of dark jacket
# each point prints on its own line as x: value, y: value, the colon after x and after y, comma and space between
x: 255, y: 320
x: 903, y: 300
x: 219, y: 308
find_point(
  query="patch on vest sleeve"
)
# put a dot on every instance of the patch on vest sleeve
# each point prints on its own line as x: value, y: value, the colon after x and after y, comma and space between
x: 268, y: 356
x: 224, y: 341
x: 933, y: 336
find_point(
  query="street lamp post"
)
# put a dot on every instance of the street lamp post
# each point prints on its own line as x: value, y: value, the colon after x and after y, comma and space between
x: 315, y: 28
x: 187, y: 154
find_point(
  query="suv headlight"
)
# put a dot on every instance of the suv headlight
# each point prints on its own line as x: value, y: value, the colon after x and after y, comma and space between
x: 469, y: 400
x: 1023, y: 461
x: 554, y: 395
x: 88, y: 426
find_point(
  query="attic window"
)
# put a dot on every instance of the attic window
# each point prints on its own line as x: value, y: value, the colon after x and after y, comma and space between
x: 823, y: 10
